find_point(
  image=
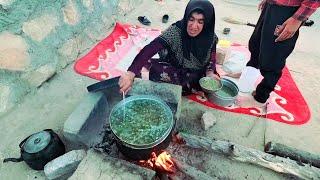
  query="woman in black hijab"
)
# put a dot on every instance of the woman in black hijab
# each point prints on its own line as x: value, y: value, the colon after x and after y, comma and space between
x: 187, y: 51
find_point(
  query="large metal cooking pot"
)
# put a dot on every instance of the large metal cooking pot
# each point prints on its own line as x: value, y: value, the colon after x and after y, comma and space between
x: 141, y: 124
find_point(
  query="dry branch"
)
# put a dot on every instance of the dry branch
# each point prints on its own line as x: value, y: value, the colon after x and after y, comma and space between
x: 253, y: 156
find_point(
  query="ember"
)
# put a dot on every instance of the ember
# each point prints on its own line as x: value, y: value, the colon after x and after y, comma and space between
x: 162, y: 163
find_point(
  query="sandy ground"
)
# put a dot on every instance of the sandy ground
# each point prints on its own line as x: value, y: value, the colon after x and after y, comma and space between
x: 50, y: 106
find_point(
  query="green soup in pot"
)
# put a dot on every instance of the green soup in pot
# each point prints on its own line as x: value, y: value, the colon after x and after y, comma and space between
x: 140, y: 121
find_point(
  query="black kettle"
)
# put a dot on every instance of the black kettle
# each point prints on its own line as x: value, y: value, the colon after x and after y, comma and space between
x: 40, y: 148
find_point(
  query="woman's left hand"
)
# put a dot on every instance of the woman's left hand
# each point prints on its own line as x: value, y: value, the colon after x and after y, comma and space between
x: 213, y: 75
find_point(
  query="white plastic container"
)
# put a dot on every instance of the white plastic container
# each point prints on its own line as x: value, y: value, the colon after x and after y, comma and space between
x: 248, y: 78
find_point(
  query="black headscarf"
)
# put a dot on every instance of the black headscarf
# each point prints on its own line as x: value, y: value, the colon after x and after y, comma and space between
x: 200, y: 44
x: 192, y: 52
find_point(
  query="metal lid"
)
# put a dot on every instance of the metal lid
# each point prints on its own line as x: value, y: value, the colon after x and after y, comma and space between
x: 37, y: 142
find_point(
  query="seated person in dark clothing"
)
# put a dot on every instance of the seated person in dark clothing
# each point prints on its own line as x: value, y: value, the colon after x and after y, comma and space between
x: 187, y: 51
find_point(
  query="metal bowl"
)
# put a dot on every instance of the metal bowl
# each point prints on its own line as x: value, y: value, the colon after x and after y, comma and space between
x: 204, y: 84
x: 226, y: 95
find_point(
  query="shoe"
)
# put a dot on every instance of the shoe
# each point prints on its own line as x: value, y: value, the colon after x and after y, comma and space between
x: 165, y: 18
x: 247, y: 100
x: 144, y: 20
x: 308, y: 23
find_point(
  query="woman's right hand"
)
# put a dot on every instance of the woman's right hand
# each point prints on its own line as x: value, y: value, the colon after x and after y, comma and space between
x: 126, y: 81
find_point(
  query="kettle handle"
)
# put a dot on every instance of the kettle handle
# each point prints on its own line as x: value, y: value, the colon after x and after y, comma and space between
x: 13, y: 159
x: 20, y: 158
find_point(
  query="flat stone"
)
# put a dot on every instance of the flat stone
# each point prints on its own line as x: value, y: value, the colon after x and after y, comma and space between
x: 85, y: 123
x: 82, y: 44
x: 13, y: 53
x: 69, y: 50
x: 39, y: 76
x: 98, y: 167
x: 70, y: 13
x: 170, y: 93
x: 65, y: 165
x: 40, y: 27
x: 208, y: 120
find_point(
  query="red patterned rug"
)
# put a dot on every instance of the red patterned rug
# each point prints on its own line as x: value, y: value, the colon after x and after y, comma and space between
x: 113, y: 55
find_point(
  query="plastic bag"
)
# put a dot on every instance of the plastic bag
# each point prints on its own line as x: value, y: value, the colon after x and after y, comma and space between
x: 235, y: 62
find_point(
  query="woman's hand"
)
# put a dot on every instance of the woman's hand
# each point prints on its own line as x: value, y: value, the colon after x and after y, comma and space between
x: 126, y: 81
x: 212, y: 75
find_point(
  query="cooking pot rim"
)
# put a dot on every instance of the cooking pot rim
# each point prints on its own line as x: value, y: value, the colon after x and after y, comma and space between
x: 139, y: 97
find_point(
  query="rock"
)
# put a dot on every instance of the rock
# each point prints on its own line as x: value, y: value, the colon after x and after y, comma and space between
x: 69, y: 50
x: 40, y: 27
x: 85, y: 123
x: 65, y: 165
x: 70, y: 13
x: 208, y: 120
x: 39, y: 76
x: 98, y: 167
x: 94, y: 29
x: 13, y: 53
x: 84, y: 43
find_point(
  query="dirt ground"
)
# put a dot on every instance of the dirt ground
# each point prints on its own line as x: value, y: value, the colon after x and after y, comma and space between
x: 50, y: 106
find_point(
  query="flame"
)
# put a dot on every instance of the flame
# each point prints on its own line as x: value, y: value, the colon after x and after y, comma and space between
x: 163, y: 162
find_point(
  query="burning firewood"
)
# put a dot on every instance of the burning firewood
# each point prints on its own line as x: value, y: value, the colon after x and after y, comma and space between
x: 161, y: 163
x: 252, y: 156
x: 165, y: 164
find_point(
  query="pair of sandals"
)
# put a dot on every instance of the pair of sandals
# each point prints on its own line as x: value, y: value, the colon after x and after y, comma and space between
x: 145, y: 21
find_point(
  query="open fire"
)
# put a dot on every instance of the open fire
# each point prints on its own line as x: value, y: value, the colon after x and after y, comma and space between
x: 161, y: 163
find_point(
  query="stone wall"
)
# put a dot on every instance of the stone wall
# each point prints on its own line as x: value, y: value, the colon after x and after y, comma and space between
x: 40, y: 38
